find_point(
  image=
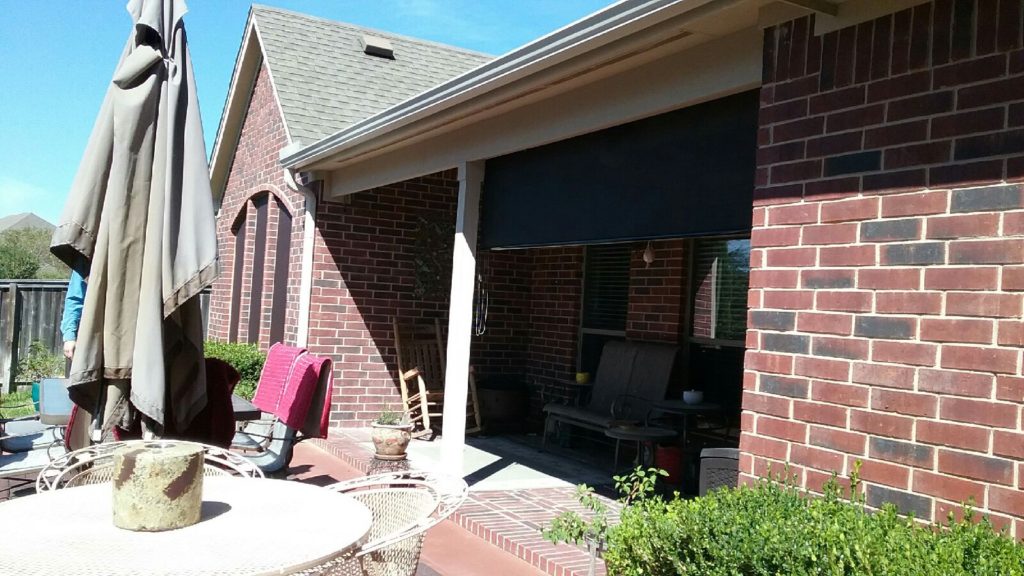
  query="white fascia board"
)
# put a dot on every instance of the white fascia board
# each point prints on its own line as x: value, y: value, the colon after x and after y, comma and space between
x: 611, y: 24
x: 713, y: 69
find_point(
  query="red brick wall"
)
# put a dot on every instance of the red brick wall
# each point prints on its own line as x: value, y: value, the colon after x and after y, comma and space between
x: 363, y: 278
x: 657, y: 292
x: 256, y: 170
x: 533, y: 319
x: 535, y: 296
x: 886, y: 275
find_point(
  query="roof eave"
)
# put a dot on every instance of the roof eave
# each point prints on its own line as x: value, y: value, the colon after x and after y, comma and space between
x: 243, y: 77
x: 585, y: 35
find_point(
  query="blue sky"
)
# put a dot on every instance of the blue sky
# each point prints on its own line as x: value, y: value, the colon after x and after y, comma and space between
x: 57, y: 57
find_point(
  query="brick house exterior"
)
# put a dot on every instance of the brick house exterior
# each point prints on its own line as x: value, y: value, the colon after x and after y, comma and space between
x: 886, y: 265
x: 885, y: 302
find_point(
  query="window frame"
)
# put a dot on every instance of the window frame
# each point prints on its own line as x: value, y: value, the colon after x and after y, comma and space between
x: 691, y: 293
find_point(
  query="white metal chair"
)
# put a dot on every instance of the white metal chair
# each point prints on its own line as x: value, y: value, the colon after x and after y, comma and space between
x: 26, y: 446
x: 404, y: 506
x: 95, y: 464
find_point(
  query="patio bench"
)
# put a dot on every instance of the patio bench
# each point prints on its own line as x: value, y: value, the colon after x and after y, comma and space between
x: 630, y: 377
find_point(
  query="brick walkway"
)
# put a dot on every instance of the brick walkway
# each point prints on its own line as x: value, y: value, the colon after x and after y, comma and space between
x: 508, y: 519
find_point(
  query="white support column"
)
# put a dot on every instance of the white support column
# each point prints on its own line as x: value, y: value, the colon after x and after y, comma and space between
x: 306, y: 280
x: 460, y: 318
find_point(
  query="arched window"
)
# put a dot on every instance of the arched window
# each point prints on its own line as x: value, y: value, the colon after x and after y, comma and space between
x: 238, y: 269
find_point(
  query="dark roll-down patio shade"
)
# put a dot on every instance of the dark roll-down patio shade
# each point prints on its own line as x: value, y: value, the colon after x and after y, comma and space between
x: 688, y: 172
x: 139, y: 224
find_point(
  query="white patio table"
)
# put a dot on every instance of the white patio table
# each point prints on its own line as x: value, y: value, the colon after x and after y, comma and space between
x: 249, y: 526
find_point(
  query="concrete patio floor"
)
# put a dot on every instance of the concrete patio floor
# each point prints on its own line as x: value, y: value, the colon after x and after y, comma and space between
x: 448, y: 549
x: 515, y: 490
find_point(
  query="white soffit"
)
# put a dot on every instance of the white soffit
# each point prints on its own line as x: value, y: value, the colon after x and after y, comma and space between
x: 625, y: 35
x: 710, y: 70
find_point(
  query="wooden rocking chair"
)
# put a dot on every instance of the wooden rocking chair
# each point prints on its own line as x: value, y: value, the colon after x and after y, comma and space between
x: 421, y: 371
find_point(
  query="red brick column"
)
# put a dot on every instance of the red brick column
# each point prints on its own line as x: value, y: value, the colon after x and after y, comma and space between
x: 886, y: 283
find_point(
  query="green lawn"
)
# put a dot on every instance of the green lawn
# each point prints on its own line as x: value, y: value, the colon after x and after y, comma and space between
x: 16, y: 404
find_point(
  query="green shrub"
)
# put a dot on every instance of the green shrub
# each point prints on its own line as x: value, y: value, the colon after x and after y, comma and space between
x: 246, y: 358
x: 40, y: 363
x: 773, y: 528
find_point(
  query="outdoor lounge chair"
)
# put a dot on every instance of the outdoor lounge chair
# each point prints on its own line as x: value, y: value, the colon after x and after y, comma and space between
x: 95, y: 464
x: 404, y: 506
x: 630, y: 377
x: 421, y: 373
x: 294, y: 394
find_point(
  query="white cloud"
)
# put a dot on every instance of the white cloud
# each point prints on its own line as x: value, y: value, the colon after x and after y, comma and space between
x: 18, y: 196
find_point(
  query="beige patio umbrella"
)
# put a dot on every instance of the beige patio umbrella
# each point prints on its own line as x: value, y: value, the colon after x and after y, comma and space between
x: 139, y: 224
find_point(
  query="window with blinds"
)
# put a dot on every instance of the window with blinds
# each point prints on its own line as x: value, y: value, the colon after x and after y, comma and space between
x: 721, y: 279
x: 606, y: 288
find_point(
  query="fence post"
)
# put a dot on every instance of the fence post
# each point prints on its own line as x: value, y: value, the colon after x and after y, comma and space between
x: 8, y: 354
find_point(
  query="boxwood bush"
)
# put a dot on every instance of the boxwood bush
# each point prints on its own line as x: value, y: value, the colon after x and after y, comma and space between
x: 772, y: 528
x: 246, y: 358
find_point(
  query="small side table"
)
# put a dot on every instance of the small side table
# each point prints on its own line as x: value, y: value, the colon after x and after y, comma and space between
x: 644, y: 436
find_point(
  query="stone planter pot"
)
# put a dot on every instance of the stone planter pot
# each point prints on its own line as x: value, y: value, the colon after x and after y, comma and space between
x: 391, y: 440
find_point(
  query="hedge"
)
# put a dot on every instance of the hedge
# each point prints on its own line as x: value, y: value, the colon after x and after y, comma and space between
x: 773, y: 528
x: 246, y: 358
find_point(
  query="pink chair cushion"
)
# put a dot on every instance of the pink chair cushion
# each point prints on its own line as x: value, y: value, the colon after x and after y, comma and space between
x: 277, y: 371
x: 296, y: 387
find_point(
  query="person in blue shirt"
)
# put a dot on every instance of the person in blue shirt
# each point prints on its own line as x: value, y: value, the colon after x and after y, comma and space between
x: 73, y: 302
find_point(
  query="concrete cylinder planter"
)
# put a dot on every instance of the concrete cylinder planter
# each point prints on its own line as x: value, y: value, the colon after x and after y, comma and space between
x: 390, y: 441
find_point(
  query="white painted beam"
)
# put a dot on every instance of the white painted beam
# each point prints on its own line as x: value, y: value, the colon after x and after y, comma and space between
x: 460, y: 319
x: 815, y: 5
x: 306, y: 280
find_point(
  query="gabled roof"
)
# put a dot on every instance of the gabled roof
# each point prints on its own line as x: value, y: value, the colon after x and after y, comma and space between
x: 22, y: 221
x: 322, y: 78
x: 325, y: 81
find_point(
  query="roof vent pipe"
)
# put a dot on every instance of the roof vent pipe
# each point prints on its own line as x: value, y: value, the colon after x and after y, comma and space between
x: 377, y: 46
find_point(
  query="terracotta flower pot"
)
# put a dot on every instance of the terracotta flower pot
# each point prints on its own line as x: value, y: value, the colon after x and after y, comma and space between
x: 391, y: 440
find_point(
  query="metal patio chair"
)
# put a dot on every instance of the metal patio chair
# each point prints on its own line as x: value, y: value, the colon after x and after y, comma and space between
x: 26, y: 446
x: 404, y: 506
x: 95, y: 464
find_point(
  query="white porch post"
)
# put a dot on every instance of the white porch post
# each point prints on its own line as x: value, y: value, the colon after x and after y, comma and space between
x: 306, y: 280
x: 460, y: 318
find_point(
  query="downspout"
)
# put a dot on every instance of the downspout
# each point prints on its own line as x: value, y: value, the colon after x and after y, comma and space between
x: 309, y: 185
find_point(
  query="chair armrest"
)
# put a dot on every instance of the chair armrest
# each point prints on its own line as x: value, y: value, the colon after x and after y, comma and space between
x: 623, y: 402
x: 575, y: 387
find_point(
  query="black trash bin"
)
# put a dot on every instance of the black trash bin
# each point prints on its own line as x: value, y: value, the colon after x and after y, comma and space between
x: 504, y: 401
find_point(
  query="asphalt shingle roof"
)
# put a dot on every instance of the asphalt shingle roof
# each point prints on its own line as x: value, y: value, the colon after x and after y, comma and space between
x: 325, y: 82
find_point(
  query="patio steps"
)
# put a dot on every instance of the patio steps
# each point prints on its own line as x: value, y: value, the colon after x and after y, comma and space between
x: 508, y: 519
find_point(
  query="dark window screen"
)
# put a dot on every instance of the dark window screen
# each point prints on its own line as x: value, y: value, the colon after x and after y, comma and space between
x: 685, y: 173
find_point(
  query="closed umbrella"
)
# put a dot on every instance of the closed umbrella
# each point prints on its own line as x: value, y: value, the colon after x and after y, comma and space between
x: 139, y: 224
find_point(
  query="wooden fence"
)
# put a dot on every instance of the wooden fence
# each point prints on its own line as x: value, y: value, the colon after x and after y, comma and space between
x: 31, y: 310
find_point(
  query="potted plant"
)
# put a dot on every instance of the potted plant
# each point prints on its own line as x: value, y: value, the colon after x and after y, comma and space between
x: 38, y: 364
x: 391, y: 433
